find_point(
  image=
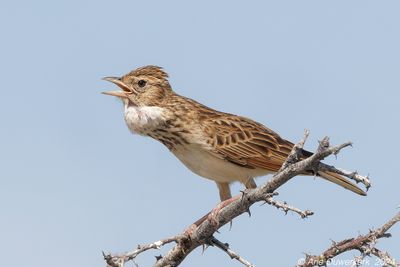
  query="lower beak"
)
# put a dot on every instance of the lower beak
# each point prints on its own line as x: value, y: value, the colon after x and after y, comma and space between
x: 121, y: 94
x: 125, y: 89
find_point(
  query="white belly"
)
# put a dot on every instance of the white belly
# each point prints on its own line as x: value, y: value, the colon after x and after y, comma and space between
x: 207, y: 165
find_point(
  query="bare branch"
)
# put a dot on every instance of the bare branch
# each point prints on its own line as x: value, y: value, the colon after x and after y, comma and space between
x: 231, y: 253
x: 363, y: 243
x: 120, y: 260
x: 352, y: 175
x: 285, y: 207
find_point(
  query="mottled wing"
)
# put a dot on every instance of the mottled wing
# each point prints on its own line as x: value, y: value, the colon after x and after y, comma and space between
x: 247, y: 143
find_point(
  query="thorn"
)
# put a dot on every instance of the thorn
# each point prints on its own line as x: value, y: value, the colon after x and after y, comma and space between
x: 230, y: 225
x: 158, y: 257
x: 104, y: 255
x: 248, y: 211
x: 314, y: 169
x: 243, y: 194
x: 204, y: 247
x: 387, y: 235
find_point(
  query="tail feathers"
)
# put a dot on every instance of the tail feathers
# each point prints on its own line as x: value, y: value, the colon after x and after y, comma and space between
x: 342, y: 181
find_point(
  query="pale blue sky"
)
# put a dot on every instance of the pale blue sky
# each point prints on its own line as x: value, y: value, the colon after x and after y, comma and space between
x: 75, y: 182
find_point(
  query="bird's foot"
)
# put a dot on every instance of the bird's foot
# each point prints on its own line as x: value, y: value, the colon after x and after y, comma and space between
x: 190, y: 230
x: 212, y: 216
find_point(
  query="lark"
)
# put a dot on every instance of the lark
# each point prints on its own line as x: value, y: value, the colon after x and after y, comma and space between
x: 219, y: 146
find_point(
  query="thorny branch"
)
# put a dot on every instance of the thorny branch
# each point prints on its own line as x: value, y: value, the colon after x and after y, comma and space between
x: 119, y: 260
x: 363, y: 243
x: 201, y: 233
x: 352, y: 175
x: 285, y: 207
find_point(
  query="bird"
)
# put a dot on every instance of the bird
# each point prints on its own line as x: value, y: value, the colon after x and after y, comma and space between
x: 219, y: 146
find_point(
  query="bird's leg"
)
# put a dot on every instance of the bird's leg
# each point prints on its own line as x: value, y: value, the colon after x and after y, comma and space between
x: 250, y: 183
x: 224, y: 191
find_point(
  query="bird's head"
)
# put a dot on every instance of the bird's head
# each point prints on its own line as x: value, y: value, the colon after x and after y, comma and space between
x: 145, y: 86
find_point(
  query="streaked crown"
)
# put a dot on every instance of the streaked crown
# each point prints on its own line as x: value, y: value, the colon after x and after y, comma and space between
x: 145, y: 86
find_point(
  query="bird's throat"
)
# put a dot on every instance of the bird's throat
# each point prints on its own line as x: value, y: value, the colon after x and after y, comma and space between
x: 143, y: 120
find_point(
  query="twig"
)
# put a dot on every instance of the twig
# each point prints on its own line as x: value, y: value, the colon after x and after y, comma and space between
x: 120, y: 260
x: 225, y: 247
x: 352, y: 175
x: 285, y: 207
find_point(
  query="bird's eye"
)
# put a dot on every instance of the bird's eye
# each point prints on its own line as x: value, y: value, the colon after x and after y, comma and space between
x: 141, y: 83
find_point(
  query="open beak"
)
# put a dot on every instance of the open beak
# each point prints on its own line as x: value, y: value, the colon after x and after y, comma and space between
x: 125, y: 89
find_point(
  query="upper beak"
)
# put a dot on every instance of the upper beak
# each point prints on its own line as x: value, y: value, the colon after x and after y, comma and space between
x: 125, y: 89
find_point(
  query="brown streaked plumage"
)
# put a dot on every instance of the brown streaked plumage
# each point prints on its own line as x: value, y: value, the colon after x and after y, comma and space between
x: 216, y: 145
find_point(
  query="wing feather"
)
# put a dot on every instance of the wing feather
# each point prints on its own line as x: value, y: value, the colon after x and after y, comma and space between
x: 248, y: 143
